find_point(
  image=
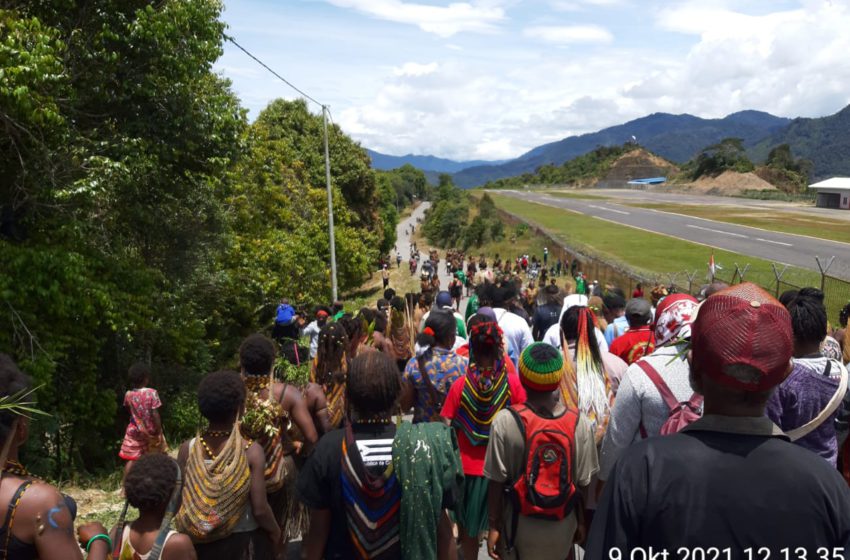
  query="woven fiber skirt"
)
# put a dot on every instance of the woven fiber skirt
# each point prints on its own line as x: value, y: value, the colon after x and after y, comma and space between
x: 472, y: 513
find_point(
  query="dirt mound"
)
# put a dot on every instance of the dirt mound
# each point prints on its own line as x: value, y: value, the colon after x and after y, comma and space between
x: 729, y: 183
x: 638, y: 164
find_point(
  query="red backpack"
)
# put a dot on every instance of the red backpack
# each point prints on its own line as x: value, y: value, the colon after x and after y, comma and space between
x: 546, y: 488
x: 681, y: 413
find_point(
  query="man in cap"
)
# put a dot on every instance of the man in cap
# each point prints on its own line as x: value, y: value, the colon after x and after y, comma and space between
x: 730, y: 480
x: 512, y: 535
x: 314, y: 327
x: 639, y: 340
x: 444, y: 301
x: 640, y: 410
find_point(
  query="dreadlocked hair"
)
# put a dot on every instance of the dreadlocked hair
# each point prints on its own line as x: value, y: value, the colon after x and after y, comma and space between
x: 374, y: 385
x: 353, y: 326
x: 485, y: 339
x: 331, y: 354
x: 594, y: 389
x: 808, y: 316
x: 570, y: 325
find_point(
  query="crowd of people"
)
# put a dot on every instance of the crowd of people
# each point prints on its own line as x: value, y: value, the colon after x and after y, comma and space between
x: 530, y: 420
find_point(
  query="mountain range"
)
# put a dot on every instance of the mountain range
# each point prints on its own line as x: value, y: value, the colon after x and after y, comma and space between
x: 678, y: 138
x: 425, y: 163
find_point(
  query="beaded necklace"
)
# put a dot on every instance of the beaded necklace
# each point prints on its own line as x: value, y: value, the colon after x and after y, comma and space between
x: 17, y: 469
x: 257, y: 383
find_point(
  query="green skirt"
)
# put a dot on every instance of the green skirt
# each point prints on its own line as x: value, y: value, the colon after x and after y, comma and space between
x: 472, y: 510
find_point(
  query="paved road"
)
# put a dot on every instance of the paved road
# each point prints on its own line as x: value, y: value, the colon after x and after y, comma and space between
x: 650, y: 196
x: 403, y: 244
x: 783, y: 248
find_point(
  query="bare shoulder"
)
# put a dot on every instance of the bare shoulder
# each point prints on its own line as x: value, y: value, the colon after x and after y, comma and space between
x: 179, y: 547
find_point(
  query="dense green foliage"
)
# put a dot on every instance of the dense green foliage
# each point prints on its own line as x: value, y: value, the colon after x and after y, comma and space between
x: 590, y: 166
x: 142, y: 218
x: 727, y: 155
x: 824, y: 141
x: 455, y: 220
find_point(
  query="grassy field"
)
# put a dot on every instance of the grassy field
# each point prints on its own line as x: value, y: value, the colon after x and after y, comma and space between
x: 785, y: 222
x: 649, y: 254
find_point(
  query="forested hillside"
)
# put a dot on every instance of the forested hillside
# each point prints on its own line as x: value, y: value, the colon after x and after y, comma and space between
x: 142, y: 217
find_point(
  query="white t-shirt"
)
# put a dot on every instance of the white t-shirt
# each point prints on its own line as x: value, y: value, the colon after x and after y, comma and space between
x: 516, y: 331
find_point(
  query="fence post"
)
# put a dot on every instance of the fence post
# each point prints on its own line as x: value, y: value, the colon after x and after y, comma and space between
x: 740, y: 273
x: 824, y: 270
x: 691, y: 281
x: 778, y: 276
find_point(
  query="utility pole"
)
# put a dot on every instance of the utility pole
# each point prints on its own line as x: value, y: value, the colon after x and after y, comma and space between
x: 330, y: 204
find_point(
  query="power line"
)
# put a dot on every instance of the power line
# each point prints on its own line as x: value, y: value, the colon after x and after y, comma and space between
x: 278, y: 76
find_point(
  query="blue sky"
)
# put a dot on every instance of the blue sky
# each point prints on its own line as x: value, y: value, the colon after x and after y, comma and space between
x: 491, y: 79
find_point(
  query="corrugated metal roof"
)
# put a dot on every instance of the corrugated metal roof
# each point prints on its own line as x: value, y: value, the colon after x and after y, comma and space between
x: 839, y: 183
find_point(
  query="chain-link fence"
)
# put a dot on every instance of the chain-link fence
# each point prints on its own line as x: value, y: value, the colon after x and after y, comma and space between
x: 837, y: 295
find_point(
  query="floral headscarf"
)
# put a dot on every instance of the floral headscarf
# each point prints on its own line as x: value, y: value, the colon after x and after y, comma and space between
x: 673, y: 318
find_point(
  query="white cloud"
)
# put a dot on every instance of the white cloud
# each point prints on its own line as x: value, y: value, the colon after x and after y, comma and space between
x: 415, y: 69
x: 569, y: 34
x: 445, y: 21
x: 581, y: 5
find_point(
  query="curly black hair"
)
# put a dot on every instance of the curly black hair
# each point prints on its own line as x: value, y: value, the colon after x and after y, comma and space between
x: 221, y: 395
x: 808, y: 316
x: 12, y: 382
x: 374, y: 385
x: 138, y: 374
x: 150, y: 482
x: 256, y: 355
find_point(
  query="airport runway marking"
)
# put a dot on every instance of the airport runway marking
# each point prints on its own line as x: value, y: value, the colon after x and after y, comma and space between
x: 610, y: 209
x: 774, y: 242
x: 719, y: 231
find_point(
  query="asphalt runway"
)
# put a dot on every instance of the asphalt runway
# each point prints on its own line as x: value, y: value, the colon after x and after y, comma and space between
x: 794, y: 250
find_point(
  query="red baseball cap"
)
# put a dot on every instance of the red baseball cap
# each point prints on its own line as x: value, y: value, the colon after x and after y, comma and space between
x: 743, y: 324
x: 321, y: 313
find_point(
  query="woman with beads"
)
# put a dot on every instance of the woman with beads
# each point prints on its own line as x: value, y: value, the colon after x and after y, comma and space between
x: 224, y: 506
x: 38, y: 520
x: 473, y: 400
x: 276, y: 405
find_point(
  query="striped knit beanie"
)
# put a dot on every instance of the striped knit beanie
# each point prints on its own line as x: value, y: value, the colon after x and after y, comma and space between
x: 541, y: 366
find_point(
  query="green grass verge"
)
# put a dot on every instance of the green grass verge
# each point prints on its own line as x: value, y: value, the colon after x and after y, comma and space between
x: 648, y: 254
x: 784, y: 222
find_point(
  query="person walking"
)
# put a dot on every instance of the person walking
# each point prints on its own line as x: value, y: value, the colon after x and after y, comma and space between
x: 378, y: 489
x: 641, y: 408
x: 807, y: 402
x: 431, y: 372
x: 639, y: 340
x: 522, y: 526
x: 731, y: 480
x: 473, y: 400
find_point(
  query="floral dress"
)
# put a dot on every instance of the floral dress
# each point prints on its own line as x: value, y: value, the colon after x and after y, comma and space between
x: 139, y: 437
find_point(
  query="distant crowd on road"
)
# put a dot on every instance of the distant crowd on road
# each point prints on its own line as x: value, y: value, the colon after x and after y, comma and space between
x: 543, y: 418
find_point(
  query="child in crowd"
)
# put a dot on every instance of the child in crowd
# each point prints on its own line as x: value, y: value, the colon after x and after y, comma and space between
x: 149, y: 487
x: 144, y: 432
x: 224, y: 494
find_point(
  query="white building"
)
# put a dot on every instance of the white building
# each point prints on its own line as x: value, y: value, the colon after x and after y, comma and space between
x: 833, y: 193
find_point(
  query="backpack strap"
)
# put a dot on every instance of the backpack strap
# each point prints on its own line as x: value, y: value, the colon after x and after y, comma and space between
x: 831, y: 407
x: 165, y: 526
x: 653, y: 375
